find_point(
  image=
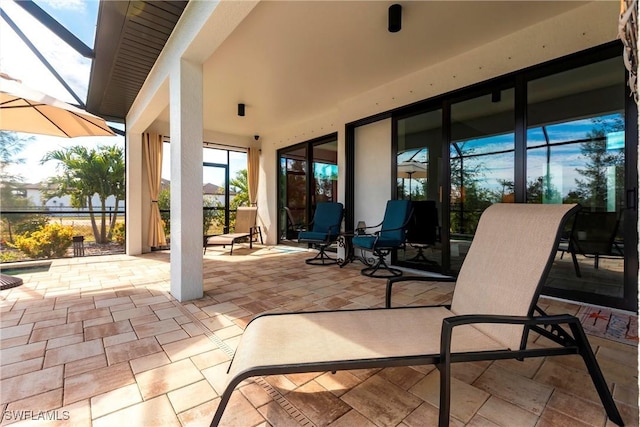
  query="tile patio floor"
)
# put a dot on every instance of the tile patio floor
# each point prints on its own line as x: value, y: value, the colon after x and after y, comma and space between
x: 99, y: 341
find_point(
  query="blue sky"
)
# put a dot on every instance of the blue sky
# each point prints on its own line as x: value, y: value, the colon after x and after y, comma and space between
x: 17, y: 60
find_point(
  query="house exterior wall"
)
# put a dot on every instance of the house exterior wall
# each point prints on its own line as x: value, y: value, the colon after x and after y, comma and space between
x: 35, y: 196
x: 204, y: 27
x: 557, y: 37
x: 372, y: 171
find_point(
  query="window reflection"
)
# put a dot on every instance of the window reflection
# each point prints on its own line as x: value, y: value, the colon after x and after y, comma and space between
x: 481, y: 159
x: 580, y: 161
x: 575, y: 154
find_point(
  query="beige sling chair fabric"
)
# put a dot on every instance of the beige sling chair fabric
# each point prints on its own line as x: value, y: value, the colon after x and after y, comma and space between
x: 506, y: 266
x: 245, y: 228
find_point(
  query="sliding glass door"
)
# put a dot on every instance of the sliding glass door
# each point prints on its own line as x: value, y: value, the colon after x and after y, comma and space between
x: 565, y: 132
x: 576, y: 143
x: 301, y: 186
x: 419, y: 179
x: 481, y: 164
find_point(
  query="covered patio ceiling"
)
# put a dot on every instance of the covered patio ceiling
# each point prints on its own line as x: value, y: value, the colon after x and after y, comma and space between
x: 290, y: 61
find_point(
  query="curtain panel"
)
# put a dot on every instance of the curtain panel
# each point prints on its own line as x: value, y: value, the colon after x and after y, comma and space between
x: 252, y: 174
x: 152, y: 147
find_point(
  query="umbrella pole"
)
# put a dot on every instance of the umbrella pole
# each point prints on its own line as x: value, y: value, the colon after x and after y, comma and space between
x: 410, y: 173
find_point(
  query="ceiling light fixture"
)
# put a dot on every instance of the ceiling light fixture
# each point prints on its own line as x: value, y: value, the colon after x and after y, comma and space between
x: 395, y: 18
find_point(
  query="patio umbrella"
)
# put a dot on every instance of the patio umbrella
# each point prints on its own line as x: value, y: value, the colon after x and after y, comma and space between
x: 412, y: 169
x: 26, y: 110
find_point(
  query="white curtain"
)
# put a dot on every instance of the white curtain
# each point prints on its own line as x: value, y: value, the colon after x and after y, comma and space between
x: 152, y: 148
x: 252, y: 174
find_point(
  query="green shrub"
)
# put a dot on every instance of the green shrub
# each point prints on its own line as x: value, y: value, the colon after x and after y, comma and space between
x: 8, y: 256
x: 35, y: 223
x: 51, y: 241
x: 118, y: 233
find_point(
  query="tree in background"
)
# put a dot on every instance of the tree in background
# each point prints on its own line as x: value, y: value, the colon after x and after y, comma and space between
x: 164, y: 204
x: 85, y: 173
x: 241, y: 185
x: 13, y: 194
x: 593, y: 189
x: 211, y: 214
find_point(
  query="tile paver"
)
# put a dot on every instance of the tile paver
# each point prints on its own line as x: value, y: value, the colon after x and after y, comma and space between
x: 112, y: 347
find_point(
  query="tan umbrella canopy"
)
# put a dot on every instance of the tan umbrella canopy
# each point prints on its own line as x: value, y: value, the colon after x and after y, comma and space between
x: 411, y: 170
x: 26, y: 110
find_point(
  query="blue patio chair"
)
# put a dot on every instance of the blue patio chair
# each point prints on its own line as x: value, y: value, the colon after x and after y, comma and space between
x: 390, y: 236
x: 325, y: 230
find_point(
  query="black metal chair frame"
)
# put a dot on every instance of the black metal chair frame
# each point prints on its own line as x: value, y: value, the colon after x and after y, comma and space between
x: 573, y: 246
x: 417, y: 231
x: 322, y: 258
x: 381, y: 252
x: 546, y: 325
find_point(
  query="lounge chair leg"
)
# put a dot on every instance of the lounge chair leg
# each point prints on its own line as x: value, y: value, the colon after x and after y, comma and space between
x: 596, y: 374
x: 224, y: 400
x: 445, y: 394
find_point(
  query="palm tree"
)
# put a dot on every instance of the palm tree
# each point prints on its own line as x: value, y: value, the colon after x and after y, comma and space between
x: 85, y: 173
x: 241, y: 184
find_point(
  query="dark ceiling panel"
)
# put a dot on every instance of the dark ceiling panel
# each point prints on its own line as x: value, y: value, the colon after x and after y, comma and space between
x: 129, y: 37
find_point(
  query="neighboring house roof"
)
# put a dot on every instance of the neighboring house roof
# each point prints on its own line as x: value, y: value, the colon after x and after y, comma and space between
x: 129, y: 37
x: 207, y: 189
x: 212, y: 189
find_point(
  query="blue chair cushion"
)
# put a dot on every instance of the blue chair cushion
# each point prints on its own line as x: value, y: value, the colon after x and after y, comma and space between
x: 395, y: 216
x: 312, y: 236
x: 326, y: 223
x: 327, y: 218
x: 365, y: 242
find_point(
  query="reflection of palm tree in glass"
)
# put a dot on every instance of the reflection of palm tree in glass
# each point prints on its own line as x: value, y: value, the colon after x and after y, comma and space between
x: 325, y: 177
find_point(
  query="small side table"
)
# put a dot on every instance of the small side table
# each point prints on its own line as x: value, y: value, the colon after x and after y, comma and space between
x: 346, y: 253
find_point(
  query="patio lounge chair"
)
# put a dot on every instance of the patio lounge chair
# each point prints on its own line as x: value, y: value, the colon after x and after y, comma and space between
x: 390, y: 236
x: 325, y: 230
x: 491, y: 315
x: 245, y: 228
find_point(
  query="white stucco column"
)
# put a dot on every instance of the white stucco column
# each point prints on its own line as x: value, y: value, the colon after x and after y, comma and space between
x: 134, y: 193
x: 185, y: 99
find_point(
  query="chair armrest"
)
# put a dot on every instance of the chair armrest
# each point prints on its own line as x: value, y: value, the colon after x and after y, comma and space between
x: 466, y: 319
x: 391, y: 281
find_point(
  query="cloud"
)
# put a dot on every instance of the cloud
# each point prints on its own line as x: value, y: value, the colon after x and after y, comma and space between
x: 73, y: 5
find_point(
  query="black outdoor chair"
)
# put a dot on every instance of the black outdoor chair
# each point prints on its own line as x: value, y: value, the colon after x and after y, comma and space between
x: 390, y: 236
x: 593, y: 235
x: 293, y: 227
x: 326, y: 223
x: 492, y: 313
x: 423, y: 229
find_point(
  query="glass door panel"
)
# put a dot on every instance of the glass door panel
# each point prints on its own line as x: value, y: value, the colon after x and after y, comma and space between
x: 214, y: 199
x: 482, y: 160
x: 325, y: 172
x: 419, y: 179
x: 576, y: 154
x: 293, y: 191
